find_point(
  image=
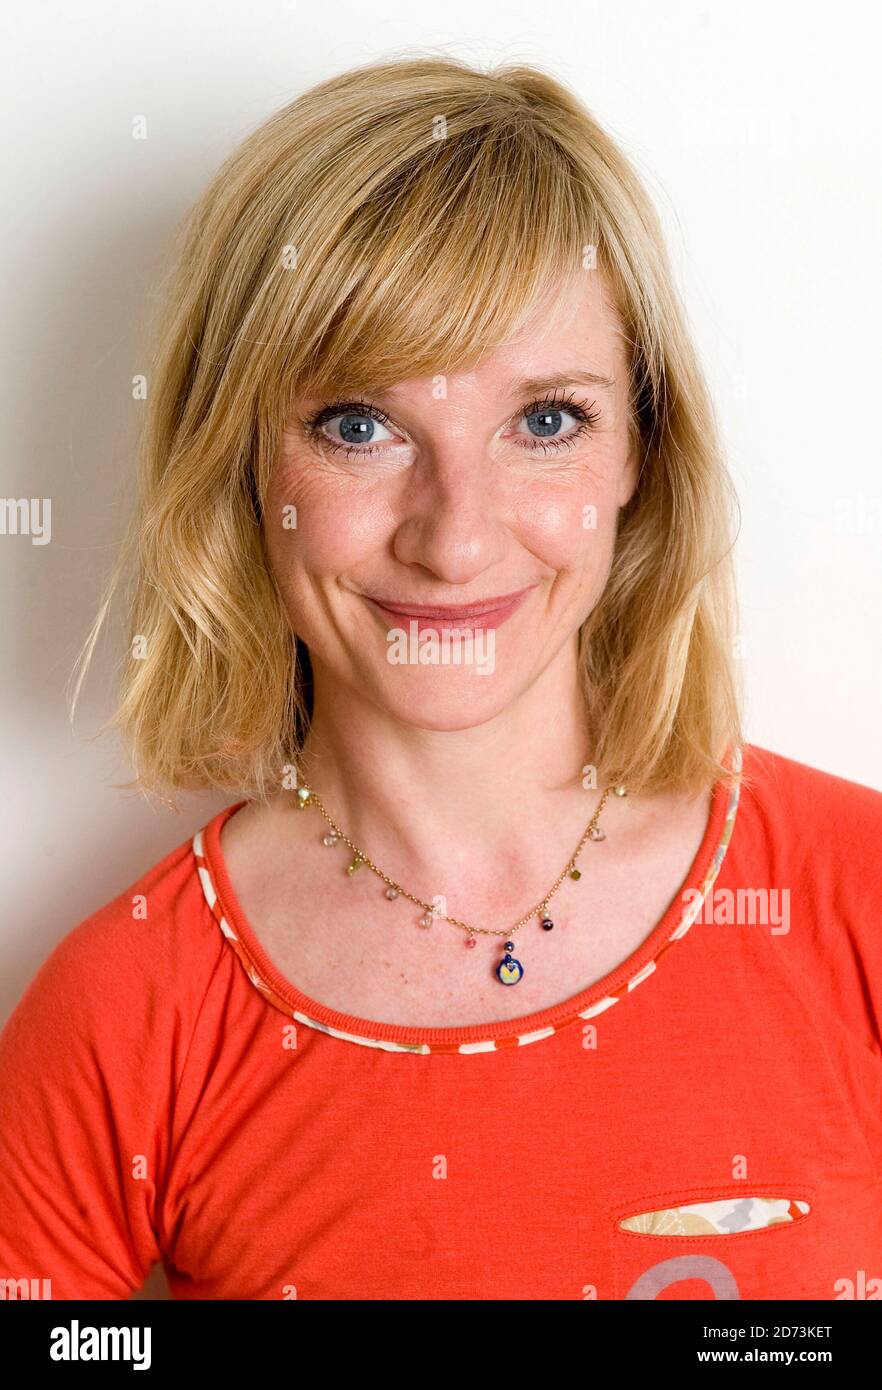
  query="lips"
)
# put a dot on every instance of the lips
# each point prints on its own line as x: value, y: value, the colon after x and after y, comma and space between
x: 483, y: 613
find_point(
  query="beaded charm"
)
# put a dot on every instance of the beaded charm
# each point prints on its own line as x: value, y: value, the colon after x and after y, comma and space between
x: 509, y: 971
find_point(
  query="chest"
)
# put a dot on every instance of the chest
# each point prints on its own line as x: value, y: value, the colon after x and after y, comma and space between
x: 343, y: 944
x: 661, y: 1150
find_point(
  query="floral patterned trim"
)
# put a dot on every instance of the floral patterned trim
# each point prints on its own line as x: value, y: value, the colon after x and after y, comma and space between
x: 485, y: 1044
x: 724, y: 1217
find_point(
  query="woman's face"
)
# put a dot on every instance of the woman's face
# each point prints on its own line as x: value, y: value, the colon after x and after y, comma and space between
x: 493, y: 492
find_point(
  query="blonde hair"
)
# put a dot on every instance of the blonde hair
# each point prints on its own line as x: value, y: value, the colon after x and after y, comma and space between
x: 397, y: 219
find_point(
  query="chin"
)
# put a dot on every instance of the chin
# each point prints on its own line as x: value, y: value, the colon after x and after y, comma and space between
x: 424, y: 703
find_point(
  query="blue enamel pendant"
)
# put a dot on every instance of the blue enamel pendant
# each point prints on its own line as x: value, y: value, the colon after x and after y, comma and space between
x: 509, y: 971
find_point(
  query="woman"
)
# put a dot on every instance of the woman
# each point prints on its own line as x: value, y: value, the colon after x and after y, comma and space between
x: 425, y: 418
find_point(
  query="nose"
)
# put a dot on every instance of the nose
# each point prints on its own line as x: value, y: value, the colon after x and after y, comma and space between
x: 452, y: 516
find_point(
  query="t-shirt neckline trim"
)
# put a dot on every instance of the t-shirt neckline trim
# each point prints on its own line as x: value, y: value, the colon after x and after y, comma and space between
x: 486, y: 1037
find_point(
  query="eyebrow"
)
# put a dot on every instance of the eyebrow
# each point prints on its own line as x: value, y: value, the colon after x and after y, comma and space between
x: 535, y: 385
x: 518, y: 386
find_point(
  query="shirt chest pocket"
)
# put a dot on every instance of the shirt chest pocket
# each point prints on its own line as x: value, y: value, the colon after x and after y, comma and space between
x: 732, y: 1241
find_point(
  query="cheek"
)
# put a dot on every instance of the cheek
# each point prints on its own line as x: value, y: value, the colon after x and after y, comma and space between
x: 310, y: 526
x: 570, y: 528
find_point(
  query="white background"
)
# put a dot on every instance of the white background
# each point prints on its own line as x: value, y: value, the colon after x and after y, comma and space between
x: 757, y: 128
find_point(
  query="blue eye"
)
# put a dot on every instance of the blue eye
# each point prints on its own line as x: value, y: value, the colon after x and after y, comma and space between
x: 352, y: 426
x: 356, y: 428
x: 547, y: 422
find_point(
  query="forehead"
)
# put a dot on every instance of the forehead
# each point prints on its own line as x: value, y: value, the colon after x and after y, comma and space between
x: 576, y: 335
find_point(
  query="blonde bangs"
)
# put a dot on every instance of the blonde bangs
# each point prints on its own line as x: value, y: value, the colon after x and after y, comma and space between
x: 434, y: 277
x: 446, y: 239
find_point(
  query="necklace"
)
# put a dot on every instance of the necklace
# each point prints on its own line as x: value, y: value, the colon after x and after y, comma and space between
x: 509, y: 971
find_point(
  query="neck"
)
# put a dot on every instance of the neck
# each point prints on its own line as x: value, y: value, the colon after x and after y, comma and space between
x: 457, y: 811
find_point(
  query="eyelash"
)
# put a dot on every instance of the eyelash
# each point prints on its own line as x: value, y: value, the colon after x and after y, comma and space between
x: 587, y: 416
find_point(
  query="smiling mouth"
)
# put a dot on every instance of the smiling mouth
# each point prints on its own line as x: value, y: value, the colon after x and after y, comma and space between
x: 484, y: 613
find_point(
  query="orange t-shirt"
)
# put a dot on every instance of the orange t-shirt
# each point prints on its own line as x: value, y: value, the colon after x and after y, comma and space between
x: 703, y: 1122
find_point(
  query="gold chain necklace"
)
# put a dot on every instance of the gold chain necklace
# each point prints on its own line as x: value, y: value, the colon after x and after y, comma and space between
x: 509, y: 970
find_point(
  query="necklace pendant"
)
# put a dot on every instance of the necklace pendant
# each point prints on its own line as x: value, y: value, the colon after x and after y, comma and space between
x: 509, y: 971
